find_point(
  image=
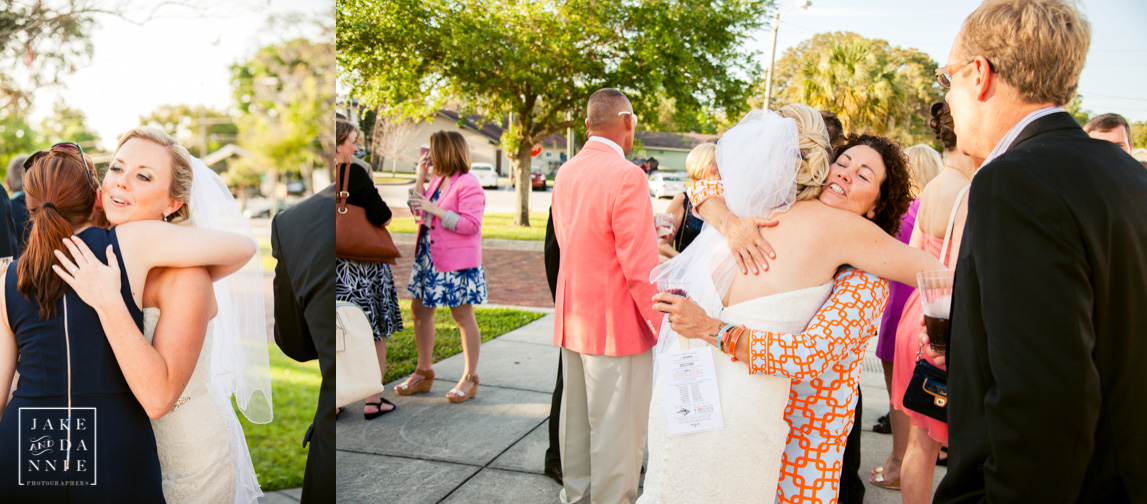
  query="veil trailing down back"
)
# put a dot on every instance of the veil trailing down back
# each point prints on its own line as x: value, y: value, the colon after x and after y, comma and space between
x: 239, y: 362
x: 758, y: 160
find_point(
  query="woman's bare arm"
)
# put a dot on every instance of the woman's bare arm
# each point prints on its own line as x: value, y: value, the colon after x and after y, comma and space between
x: 152, y: 244
x: 743, y: 235
x: 859, y: 242
x: 156, y: 372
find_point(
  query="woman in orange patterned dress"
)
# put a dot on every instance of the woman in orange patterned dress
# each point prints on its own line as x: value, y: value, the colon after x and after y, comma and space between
x: 823, y: 363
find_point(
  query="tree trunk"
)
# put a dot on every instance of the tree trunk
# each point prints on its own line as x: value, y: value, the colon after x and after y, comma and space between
x: 520, y: 168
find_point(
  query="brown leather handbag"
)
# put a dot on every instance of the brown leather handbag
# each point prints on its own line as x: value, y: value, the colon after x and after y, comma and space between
x: 355, y: 237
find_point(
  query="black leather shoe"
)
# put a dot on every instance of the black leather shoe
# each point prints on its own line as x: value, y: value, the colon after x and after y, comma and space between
x: 882, y: 426
x: 555, y: 473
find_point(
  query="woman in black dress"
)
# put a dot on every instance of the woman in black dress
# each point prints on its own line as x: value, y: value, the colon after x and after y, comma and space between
x: 369, y: 285
x: 73, y: 431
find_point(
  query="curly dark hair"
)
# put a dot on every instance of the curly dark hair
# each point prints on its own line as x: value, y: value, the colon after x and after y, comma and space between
x: 896, y: 189
x: 943, y: 125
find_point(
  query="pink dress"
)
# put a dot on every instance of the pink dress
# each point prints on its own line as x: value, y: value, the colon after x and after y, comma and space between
x: 907, y: 343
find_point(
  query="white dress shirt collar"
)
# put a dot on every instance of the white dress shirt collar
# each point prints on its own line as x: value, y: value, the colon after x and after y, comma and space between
x: 1010, y: 137
x: 608, y: 142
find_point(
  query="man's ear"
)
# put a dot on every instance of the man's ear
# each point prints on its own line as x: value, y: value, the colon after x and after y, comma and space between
x: 982, y: 77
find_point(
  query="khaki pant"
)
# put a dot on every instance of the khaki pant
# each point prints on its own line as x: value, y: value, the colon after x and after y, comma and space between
x: 604, y: 420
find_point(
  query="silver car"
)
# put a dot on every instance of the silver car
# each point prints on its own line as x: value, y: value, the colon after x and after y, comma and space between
x: 662, y: 184
x: 485, y: 173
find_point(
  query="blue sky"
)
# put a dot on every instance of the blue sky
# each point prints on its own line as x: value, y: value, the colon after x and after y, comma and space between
x: 1114, y: 78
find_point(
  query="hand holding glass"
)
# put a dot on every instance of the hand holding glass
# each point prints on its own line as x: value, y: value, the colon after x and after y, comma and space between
x: 936, y: 298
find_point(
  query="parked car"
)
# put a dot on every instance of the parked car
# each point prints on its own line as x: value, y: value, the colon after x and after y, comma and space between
x: 537, y: 179
x: 662, y: 184
x: 261, y: 209
x: 485, y: 173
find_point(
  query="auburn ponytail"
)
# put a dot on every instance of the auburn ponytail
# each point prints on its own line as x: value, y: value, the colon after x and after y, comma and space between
x: 60, y: 189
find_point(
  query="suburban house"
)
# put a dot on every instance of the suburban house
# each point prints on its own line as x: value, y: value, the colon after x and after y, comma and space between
x: 484, y: 139
x: 668, y: 148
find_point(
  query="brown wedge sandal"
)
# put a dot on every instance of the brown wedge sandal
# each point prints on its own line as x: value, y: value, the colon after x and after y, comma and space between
x: 457, y: 396
x: 406, y: 388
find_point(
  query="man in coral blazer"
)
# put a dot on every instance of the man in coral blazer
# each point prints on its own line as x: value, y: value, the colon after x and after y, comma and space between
x: 604, y: 317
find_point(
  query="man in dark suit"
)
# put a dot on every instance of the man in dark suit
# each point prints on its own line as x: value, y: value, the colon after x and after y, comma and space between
x: 1049, y: 315
x: 19, y: 211
x: 302, y: 241
x: 553, y: 464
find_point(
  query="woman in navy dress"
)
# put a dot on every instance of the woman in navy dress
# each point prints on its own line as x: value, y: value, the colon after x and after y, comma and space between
x: 73, y: 431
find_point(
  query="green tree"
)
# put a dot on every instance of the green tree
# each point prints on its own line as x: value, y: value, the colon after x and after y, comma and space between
x: 871, y: 85
x: 16, y: 137
x: 1139, y: 134
x: 40, y: 42
x: 1075, y: 108
x: 194, y: 125
x: 285, y: 94
x: 66, y: 124
x: 538, y: 62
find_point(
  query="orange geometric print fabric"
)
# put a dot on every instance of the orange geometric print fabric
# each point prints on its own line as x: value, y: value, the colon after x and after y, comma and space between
x: 824, y: 364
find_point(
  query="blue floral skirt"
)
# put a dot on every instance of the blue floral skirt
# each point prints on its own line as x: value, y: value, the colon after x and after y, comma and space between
x: 444, y: 289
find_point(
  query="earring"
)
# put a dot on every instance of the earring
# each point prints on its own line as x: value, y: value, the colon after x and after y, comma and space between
x: 166, y: 217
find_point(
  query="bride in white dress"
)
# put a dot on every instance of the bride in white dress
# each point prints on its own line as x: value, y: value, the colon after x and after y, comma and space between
x: 208, y: 342
x: 759, y: 162
x: 770, y: 166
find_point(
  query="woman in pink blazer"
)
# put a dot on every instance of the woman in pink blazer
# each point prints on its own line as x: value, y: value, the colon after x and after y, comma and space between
x: 448, y: 264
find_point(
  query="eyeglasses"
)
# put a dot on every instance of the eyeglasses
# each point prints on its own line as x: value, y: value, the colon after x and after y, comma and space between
x: 944, y: 74
x: 624, y: 112
x: 62, y: 147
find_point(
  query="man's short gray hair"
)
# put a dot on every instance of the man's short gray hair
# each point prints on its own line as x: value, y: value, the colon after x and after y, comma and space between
x: 16, y: 173
x: 603, y: 106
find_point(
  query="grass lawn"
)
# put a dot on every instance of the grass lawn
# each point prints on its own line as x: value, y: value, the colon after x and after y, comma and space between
x: 402, y: 356
x: 494, y: 225
x: 385, y: 178
x: 277, y: 447
x: 265, y: 256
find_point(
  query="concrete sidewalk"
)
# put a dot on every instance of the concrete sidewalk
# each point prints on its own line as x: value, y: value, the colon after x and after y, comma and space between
x: 491, y: 448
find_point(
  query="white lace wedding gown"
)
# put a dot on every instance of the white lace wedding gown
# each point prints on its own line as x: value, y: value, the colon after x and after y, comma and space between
x: 742, y: 462
x: 196, y: 452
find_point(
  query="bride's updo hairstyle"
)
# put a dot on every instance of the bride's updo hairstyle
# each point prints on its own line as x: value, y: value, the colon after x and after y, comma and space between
x: 181, y: 172
x: 813, y: 143
x: 60, y: 188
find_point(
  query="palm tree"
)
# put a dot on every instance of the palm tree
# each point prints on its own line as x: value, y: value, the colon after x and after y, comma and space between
x: 852, y: 79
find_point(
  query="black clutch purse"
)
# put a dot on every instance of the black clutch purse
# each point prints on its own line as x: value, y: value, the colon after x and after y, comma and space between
x: 927, y: 393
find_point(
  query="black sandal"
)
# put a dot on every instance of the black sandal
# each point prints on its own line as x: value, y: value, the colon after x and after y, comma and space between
x: 378, y: 405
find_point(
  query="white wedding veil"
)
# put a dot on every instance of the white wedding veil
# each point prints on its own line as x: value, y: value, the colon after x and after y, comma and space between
x: 239, y: 362
x: 758, y: 161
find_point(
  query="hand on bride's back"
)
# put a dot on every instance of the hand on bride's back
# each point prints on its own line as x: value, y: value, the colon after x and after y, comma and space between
x: 94, y: 281
x: 748, y: 247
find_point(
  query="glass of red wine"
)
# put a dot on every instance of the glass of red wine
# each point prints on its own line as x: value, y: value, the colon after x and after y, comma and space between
x: 675, y: 287
x: 936, y: 299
